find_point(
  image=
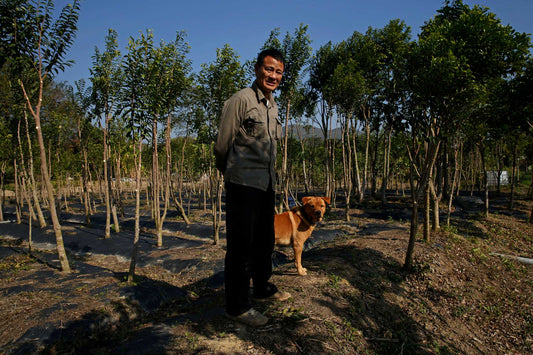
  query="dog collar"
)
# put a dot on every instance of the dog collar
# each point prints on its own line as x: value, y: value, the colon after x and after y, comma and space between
x: 304, y: 217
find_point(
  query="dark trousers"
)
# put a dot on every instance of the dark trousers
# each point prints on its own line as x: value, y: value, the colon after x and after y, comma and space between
x: 250, y: 243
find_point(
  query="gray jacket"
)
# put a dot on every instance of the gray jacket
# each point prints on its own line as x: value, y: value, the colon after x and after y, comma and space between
x: 245, y: 150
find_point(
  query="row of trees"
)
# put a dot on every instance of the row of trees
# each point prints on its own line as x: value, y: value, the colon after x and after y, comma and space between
x: 436, y: 112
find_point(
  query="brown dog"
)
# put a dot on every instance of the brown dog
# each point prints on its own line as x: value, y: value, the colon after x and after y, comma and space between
x: 294, y: 227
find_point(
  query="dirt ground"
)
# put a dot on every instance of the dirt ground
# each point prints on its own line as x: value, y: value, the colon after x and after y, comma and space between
x: 461, y: 298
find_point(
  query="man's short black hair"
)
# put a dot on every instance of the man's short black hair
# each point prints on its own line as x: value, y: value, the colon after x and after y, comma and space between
x: 270, y: 52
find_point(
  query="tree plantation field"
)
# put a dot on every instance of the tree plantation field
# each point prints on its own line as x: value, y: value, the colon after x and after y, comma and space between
x: 436, y: 114
x: 357, y: 298
x: 112, y: 211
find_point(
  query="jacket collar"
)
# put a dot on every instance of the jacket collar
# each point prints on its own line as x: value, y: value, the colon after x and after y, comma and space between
x: 260, y: 95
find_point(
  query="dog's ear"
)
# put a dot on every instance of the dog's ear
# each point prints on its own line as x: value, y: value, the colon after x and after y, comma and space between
x: 305, y: 199
x: 326, y: 200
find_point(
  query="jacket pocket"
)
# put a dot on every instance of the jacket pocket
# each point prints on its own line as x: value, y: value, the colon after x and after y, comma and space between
x: 253, y: 128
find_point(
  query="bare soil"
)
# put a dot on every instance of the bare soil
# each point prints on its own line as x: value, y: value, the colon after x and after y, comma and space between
x: 459, y: 299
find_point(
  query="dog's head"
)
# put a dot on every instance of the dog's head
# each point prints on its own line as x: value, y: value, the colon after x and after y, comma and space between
x: 315, y: 207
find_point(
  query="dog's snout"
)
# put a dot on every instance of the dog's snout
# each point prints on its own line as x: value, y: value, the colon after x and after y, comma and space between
x: 318, y: 213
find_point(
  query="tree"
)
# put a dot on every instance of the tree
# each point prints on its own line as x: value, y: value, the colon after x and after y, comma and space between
x: 167, y: 79
x: 106, y: 79
x: 346, y: 86
x: 461, y: 53
x: 16, y: 35
x: 6, y: 149
x: 369, y: 58
x: 297, y: 52
x: 520, y: 109
x: 82, y: 100
x: 137, y: 122
x: 321, y: 69
x: 216, y: 83
x: 394, y: 43
x: 47, y: 55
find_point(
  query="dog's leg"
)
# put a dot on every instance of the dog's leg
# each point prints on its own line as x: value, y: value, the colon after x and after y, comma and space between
x: 297, y: 246
x: 298, y: 249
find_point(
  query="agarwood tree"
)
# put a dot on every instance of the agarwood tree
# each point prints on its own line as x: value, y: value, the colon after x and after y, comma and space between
x: 106, y: 78
x: 82, y: 99
x: 47, y: 54
x: 167, y: 69
x: 217, y: 81
x: 296, y: 50
x: 460, y: 54
x: 137, y: 121
x: 321, y: 69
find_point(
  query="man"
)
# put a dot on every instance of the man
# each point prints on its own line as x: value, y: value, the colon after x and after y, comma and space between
x: 245, y: 153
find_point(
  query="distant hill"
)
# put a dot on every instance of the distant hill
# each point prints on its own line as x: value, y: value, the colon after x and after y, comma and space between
x: 311, y: 132
x: 307, y: 132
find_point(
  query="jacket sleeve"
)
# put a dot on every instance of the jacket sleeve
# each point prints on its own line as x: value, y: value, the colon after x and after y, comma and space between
x: 229, y: 127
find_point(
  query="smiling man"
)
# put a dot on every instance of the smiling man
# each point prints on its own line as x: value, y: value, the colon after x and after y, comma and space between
x: 245, y: 153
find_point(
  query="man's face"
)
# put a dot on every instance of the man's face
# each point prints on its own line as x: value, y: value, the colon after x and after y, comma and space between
x: 269, y: 74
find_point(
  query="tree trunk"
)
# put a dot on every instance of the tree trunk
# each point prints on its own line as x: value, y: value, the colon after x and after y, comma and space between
x: 427, y: 208
x: 118, y: 184
x: 330, y: 175
x: 181, y: 170
x: 51, y: 201
x: 136, y: 237
x: 408, y: 264
x: 3, y: 196
x: 26, y: 197
x: 178, y: 201
x: 156, y: 187
x: 485, y: 180
x: 216, y: 204
x: 168, y: 160
x: 347, y: 165
x: 168, y: 149
x: 386, y: 166
x: 113, y: 202
x: 356, y: 159
x: 513, y: 175
x: 530, y: 190
x: 284, y: 171
x: 108, y: 189
x: 333, y: 179
x: 33, y: 185
x: 85, y: 182
x: 454, y: 179
x: 30, y: 242
x: 65, y: 267
x: 179, y: 206
x: 107, y: 184
x: 435, y: 198
x: 367, y: 150
x: 23, y: 179
x: 302, y: 140
x: 423, y: 175
x: 18, y: 209
x: 374, y: 165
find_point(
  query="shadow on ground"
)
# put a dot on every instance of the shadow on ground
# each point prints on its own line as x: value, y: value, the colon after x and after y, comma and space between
x: 153, y: 317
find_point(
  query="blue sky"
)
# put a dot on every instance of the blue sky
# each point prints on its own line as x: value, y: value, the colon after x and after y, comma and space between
x: 245, y: 25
